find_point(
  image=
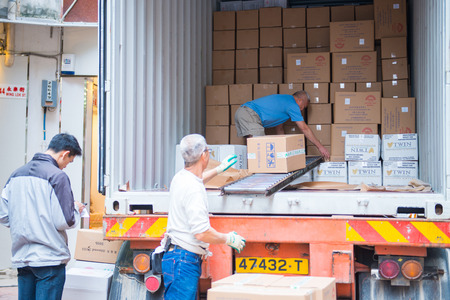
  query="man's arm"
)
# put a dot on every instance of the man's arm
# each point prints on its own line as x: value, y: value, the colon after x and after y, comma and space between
x: 232, y: 239
x: 279, y: 129
x: 312, y: 138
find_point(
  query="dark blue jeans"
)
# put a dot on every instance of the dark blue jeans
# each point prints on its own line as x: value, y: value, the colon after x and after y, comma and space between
x: 181, y: 271
x: 41, y: 283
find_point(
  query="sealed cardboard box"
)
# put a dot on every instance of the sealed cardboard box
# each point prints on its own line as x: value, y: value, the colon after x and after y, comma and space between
x: 247, y: 39
x: 271, y: 75
x: 394, y: 69
x: 244, y: 76
x: 339, y: 131
x: 396, y: 88
x: 342, y: 13
x: 286, y: 51
x: 294, y: 37
x: 319, y: 114
x: 294, y: 17
x: 351, y: 36
x: 390, y: 18
x: 255, y: 280
x: 398, y: 115
x: 289, y: 88
x: 224, y: 40
x: 318, y: 49
x: 220, y: 152
x: 318, y: 37
x: 270, y: 57
x: 223, y: 60
x: 261, y: 90
x: 234, y: 138
x: 399, y: 172
x: 317, y: 17
x: 357, y: 107
x: 364, y: 12
x: 331, y: 171
x: 368, y: 87
x: 368, y: 172
x: 87, y: 283
x: 247, y: 59
x: 289, y: 129
x: 270, y: 17
x: 324, y: 287
x: 217, y: 135
x: 217, y: 95
x: 394, y: 47
x: 308, y: 67
x: 400, y: 147
x: 224, y: 20
x: 355, y: 67
x: 318, y: 92
x: 314, y: 151
x: 240, y: 93
x: 247, y: 19
x: 243, y: 292
x: 276, y: 154
x: 322, y: 132
x: 221, y: 77
x: 340, y: 87
x: 362, y: 147
x: 271, y: 37
x: 92, y: 247
x: 217, y: 115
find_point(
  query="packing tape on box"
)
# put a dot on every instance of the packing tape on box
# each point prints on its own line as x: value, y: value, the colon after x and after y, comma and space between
x: 290, y: 153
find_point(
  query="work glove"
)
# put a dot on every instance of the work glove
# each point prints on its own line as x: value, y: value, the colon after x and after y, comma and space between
x: 226, y: 163
x: 235, y: 241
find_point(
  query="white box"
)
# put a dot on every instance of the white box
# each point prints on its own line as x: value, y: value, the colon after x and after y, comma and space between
x: 87, y: 284
x: 308, y: 177
x: 399, y: 172
x: 81, y: 264
x: 400, y: 147
x: 331, y: 171
x: 368, y: 172
x: 362, y: 147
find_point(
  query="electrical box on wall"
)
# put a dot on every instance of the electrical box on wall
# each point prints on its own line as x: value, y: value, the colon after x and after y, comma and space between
x: 49, y: 93
x: 68, y: 64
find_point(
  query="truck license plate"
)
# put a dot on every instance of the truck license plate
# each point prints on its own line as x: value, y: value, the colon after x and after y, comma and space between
x: 271, y: 265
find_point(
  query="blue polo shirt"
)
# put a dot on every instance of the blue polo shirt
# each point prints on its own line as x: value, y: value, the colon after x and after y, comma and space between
x: 274, y: 110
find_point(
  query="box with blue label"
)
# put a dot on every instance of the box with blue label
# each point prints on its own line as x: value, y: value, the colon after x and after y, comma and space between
x: 276, y: 153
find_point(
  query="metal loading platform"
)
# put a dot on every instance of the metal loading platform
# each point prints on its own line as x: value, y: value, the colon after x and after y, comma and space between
x: 268, y: 183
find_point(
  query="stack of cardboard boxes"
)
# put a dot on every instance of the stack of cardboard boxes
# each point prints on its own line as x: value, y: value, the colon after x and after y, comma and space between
x: 223, y: 54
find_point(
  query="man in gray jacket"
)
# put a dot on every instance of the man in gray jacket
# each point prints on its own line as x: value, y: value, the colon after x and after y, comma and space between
x: 38, y: 206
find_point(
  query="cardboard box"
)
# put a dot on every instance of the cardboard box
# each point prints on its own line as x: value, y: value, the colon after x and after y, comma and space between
x: 318, y: 49
x: 224, y: 20
x: 314, y: 151
x: 241, y: 279
x: 357, y: 107
x: 368, y: 172
x: 398, y: 115
x: 318, y: 92
x: 390, y: 18
x: 261, y: 90
x: 217, y: 115
x: 247, y: 19
x: 289, y: 129
x: 246, y: 76
x: 342, y: 13
x: 318, y: 37
x: 399, y: 172
x: 308, y: 67
x: 221, y: 77
x: 331, y: 171
x: 270, y: 57
x: 394, y: 69
x: 319, y: 114
x: 247, y: 59
x: 271, y: 75
x: 87, y: 283
x: 220, y: 152
x: 362, y: 147
x: 289, y: 88
x: 271, y: 37
x: 217, y: 135
x: 276, y: 153
x: 216, y: 94
x: 223, y: 60
x: 400, y: 147
x: 294, y: 17
x: 92, y: 247
x: 394, y: 47
x: 243, y: 292
x: 240, y: 93
x: 339, y: 131
x: 340, y: 87
x: 364, y: 12
x: 270, y: 17
x: 324, y: 287
x: 355, y: 67
x: 317, y: 17
x: 233, y: 109
x: 322, y: 132
x: 286, y: 51
x: 396, y: 88
x: 247, y: 39
x: 224, y: 40
x: 294, y: 37
x: 336, y: 158
x: 368, y: 87
x: 351, y: 36
x: 234, y: 138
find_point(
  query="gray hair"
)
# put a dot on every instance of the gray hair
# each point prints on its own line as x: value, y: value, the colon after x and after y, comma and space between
x: 301, y: 94
x: 192, y: 146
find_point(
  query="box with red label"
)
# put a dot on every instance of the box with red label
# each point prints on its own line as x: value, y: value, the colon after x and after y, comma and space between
x: 390, y: 18
x: 351, y: 36
x: 355, y: 67
x: 308, y: 67
x: 339, y: 131
x: 357, y: 107
x: 398, y: 115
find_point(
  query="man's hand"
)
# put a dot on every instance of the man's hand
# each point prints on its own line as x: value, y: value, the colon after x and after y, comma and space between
x: 324, y: 152
x: 235, y: 241
x: 80, y: 206
x: 226, y: 163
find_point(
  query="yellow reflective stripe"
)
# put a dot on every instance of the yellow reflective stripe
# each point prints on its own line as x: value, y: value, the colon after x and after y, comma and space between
x: 432, y: 232
x: 352, y: 235
x: 158, y: 228
x: 388, y: 232
x: 119, y: 229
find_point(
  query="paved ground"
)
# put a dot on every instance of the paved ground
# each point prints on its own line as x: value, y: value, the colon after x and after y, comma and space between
x: 9, y: 293
x: 8, y: 284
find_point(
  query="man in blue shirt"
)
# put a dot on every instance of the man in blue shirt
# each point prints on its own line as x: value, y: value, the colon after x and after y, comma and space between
x: 272, y: 111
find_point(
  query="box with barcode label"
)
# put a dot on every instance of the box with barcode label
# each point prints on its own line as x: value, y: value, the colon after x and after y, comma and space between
x: 331, y: 171
x: 400, y: 147
x: 399, y: 172
x: 362, y: 147
x: 368, y: 172
x: 276, y: 153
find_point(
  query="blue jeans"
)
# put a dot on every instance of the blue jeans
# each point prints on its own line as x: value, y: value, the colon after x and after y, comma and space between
x: 41, y: 283
x: 181, y: 271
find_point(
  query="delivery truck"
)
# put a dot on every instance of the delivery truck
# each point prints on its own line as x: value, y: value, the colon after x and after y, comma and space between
x: 155, y: 61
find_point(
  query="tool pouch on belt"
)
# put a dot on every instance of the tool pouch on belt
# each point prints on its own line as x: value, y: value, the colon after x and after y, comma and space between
x: 158, y: 256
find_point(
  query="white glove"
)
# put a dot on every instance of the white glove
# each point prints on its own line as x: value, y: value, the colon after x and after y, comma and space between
x: 226, y: 163
x: 235, y: 241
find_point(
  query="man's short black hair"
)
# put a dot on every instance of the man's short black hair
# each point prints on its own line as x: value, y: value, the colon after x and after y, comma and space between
x: 65, y: 142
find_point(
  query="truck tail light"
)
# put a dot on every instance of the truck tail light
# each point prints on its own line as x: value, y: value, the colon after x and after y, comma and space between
x: 141, y: 263
x: 389, y: 269
x: 412, y: 269
x: 152, y: 283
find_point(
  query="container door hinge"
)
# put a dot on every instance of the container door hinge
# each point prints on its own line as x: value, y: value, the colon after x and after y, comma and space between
x: 107, y: 85
x: 105, y: 180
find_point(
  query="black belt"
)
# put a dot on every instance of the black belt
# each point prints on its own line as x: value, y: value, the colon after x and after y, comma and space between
x: 173, y: 247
